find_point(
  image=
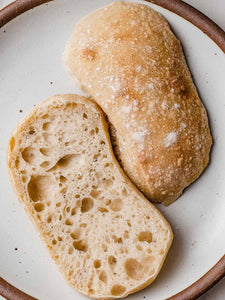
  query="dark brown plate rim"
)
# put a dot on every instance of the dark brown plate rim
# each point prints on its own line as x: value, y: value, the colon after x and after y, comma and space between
x: 213, y: 31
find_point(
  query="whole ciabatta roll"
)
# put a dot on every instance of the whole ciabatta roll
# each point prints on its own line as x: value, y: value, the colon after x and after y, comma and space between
x: 126, y: 57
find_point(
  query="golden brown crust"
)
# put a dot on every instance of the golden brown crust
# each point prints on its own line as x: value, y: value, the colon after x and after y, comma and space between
x: 127, y: 58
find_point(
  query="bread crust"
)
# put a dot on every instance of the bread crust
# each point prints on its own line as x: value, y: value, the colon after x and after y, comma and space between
x: 24, y: 167
x: 127, y: 58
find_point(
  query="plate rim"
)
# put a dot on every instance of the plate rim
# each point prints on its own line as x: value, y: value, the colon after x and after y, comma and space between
x: 217, y: 35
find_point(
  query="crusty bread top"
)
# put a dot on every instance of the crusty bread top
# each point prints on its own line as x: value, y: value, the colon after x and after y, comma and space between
x: 106, y: 238
x: 127, y: 58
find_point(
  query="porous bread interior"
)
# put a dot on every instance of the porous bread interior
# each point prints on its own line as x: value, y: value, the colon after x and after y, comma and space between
x: 106, y: 238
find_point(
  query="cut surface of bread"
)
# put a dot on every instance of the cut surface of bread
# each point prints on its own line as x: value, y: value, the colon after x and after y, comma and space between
x: 106, y: 238
x: 127, y: 58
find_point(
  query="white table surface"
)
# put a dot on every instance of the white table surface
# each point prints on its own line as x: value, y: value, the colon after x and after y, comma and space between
x: 215, y: 9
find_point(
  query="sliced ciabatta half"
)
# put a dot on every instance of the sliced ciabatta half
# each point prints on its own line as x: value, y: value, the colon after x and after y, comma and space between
x: 106, y: 238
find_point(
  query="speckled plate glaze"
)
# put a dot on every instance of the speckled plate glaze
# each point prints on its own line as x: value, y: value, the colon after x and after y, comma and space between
x: 31, y: 70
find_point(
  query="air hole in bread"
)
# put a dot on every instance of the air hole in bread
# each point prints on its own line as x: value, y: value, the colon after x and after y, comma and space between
x: 45, y: 164
x: 63, y: 192
x: 126, y: 234
x: 58, y: 204
x: 68, y: 161
x: 85, y: 116
x: 17, y: 163
x: 104, y: 248
x: 39, y: 207
x: 95, y: 194
x: 46, y: 126
x: 118, y: 290
x: 124, y: 192
x: 108, y: 202
x: 73, y: 211
x: 49, y: 219
x: 30, y: 155
x: 97, y: 263
x: 45, y: 151
x: 103, y: 276
x: 149, y: 250
x: 70, y: 251
x: 139, y: 248
x: 116, y: 204
x: 92, y: 132
x: 45, y: 116
x: 31, y: 131
x: 62, y: 179
x: 60, y: 217
x: 68, y: 209
x: 54, y: 242
x: 41, y: 188
x: 117, y: 239
x: 103, y: 209
x: 12, y: 143
x: 87, y: 204
x: 79, y: 176
x: 107, y: 183
x: 59, y: 239
x: 112, y: 261
x: 69, y: 222
x: 134, y: 269
x: 128, y: 223
x: 145, y: 236
x: 77, y: 196
x: 24, y: 178
x: 75, y: 234
x: 83, y: 225
x: 149, y: 260
x: 49, y: 138
x: 80, y: 245
x: 114, y: 192
x: 96, y: 130
x: 96, y: 157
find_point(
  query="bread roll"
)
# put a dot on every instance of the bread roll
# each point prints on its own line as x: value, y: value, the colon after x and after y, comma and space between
x: 106, y: 238
x: 127, y: 58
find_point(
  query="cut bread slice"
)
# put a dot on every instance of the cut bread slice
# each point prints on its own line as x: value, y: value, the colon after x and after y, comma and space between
x: 106, y: 238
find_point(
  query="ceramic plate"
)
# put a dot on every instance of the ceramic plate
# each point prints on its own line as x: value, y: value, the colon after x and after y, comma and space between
x: 31, y: 70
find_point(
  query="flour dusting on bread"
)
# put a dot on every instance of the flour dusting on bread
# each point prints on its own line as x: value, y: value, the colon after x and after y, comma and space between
x: 140, y: 79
